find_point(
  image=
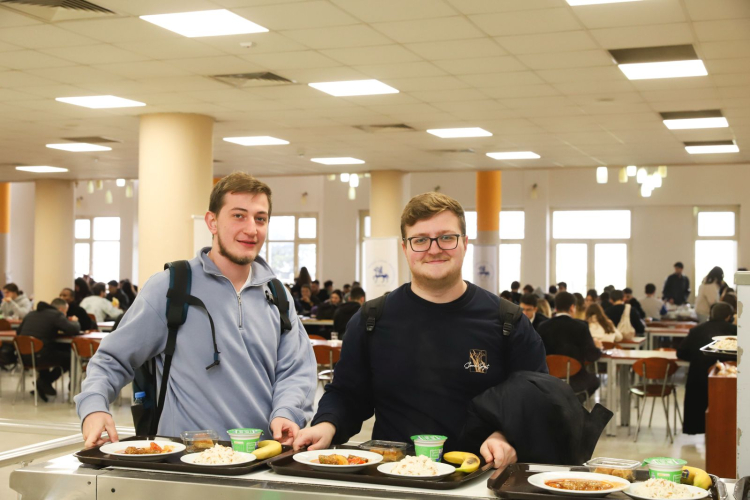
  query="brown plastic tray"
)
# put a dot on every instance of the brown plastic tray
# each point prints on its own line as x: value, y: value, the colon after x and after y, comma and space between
x: 172, y: 463
x: 285, y: 465
x: 512, y: 483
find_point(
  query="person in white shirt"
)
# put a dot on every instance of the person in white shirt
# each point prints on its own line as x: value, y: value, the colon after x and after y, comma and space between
x: 708, y: 293
x: 651, y: 304
x: 600, y: 326
x: 98, y: 305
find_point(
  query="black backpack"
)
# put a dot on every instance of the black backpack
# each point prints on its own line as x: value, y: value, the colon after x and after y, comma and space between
x: 146, y: 415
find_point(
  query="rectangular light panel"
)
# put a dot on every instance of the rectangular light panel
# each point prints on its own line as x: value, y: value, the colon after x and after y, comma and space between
x: 354, y: 87
x: 451, y: 133
x: 338, y: 161
x: 514, y: 155
x: 712, y: 149
x: 665, y: 69
x: 596, y: 2
x: 78, y: 147
x: 690, y: 123
x: 43, y: 169
x: 260, y: 140
x: 100, y: 101
x: 219, y: 22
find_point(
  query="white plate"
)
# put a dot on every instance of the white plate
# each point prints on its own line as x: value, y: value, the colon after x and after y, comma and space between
x: 305, y: 457
x: 443, y: 471
x: 190, y: 459
x: 117, y: 449
x: 723, y: 337
x: 539, y: 479
x: 630, y: 492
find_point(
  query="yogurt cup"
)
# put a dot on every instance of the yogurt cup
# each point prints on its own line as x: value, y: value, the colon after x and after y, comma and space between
x: 244, y: 440
x: 665, y: 468
x: 429, y: 445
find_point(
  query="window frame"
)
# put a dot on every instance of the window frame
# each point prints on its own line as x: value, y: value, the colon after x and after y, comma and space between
x: 504, y: 241
x: 91, y: 240
x: 297, y: 241
x: 696, y: 237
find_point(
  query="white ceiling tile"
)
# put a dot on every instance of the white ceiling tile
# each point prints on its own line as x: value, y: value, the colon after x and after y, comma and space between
x: 725, y: 50
x: 402, y: 70
x: 427, y: 83
x: 526, y: 22
x: 382, y: 54
x: 568, y: 41
x: 30, y: 59
x: 607, y: 99
x: 680, y: 94
x: 630, y: 14
x: 489, y: 6
x: 339, y: 73
x: 508, y: 92
x: 182, y: 84
x: 76, y: 74
x: 144, y: 7
x: 52, y: 91
x: 262, y: 43
x: 292, y: 60
x: 457, y: 49
x: 301, y: 15
x: 95, y: 54
x: 575, y: 88
x: 15, y: 79
x: 130, y: 29
x: 143, y: 69
x: 168, y: 49
x: 399, y: 109
x: 7, y: 95
x: 478, y: 105
x: 222, y: 65
x: 481, y: 65
x: 582, y: 59
x: 449, y: 95
x: 537, y: 102
x: 5, y: 47
x: 644, y: 36
x: 730, y: 92
x: 696, y: 82
x: 732, y: 80
x: 428, y: 30
x: 686, y: 104
x: 730, y: 29
x: 701, y: 10
x: 601, y: 73
x: 42, y: 37
x: 357, y: 35
x: 502, y: 79
x: 395, y: 10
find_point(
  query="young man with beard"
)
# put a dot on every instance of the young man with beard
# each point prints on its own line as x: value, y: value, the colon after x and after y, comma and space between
x: 264, y: 379
x: 438, y: 344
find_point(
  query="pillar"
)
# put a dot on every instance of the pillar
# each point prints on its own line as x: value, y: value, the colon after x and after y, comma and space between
x: 4, y: 232
x: 175, y: 173
x: 535, y: 260
x: 54, y: 238
x: 486, y: 248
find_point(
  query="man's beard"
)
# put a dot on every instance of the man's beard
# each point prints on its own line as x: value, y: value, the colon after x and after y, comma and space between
x: 438, y: 283
x: 240, y: 261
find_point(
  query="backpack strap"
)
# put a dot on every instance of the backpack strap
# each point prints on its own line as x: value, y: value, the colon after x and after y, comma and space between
x: 509, y: 316
x: 281, y: 301
x: 373, y: 310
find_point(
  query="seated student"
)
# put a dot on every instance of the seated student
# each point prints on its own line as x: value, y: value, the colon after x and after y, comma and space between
x: 529, y: 305
x: 696, y: 388
x: 600, y: 326
x: 99, y: 306
x: 604, y: 301
x: 346, y: 290
x: 325, y: 292
x: 123, y: 302
x: 306, y: 301
x: 327, y: 309
x: 651, y: 304
x: 44, y: 324
x: 580, y: 307
x: 551, y: 296
x: 543, y: 307
x: 15, y: 304
x: 505, y: 294
x: 591, y: 297
x: 568, y: 336
x: 562, y: 287
x: 625, y: 318
x: 629, y: 299
x: 348, y: 309
x: 74, y: 309
x: 515, y: 294
x: 528, y: 289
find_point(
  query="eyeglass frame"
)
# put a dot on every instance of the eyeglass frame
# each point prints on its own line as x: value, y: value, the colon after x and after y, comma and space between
x: 435, y: 239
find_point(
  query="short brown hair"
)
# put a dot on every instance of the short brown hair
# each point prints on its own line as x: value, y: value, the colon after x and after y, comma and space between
x: 427, y: 205
x: 237, y: 182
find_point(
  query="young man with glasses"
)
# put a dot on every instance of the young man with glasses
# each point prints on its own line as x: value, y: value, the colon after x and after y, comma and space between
x: 438, y: 344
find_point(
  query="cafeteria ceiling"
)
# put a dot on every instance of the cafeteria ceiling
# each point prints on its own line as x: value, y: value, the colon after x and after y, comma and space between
x: 535, y: 73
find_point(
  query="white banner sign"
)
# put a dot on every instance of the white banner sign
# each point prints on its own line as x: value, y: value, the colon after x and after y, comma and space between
x: 485, y: 267
x: 380, y: 270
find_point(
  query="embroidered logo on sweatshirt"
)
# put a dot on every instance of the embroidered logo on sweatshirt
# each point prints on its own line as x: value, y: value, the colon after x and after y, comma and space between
x: 477, y: 361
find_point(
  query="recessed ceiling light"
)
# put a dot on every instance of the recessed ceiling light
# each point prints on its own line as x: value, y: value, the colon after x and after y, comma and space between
x: 260, y: 140
x: 205, y: 23
x: 709, y: 147
x: 44, y: 169
x: 679, y: 120
x: 120, y: 182
x: 78, y: 147
x: 632, y: 170
x: 450, y: 133
x: 100, y: 101
x: 338, y: 161
x: 354, y: 87
x: 595, y: 2
x: 672, y: 61
x: 514, y: 155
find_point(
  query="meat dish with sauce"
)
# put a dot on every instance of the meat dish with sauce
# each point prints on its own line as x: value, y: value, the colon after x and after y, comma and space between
x: 579, y: 484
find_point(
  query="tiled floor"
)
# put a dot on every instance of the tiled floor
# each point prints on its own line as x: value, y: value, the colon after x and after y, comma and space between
x: 651, y: 442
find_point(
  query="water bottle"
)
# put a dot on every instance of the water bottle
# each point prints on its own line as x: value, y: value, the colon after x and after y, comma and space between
x: 334, y: 336
x: 138, y: 398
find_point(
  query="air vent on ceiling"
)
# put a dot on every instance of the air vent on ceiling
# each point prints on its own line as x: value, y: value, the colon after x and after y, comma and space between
x: 452, y: 151
x: 91, y: 139
x: 261, y: 79
x: 391, y: 127
x: 64, y: 4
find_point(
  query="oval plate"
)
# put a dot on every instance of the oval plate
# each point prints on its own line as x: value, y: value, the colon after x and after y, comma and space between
x: 190, y: 459
x: 444, y: 470
x: 539, y: 479
x: 305, y: 457
x: 631, y: 491
x: 117, y: 449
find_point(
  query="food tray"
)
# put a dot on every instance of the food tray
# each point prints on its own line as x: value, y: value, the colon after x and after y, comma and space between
x: 719, y: 355
x: 512, y: 482
x: 172, y: 463
x: 285, y: 465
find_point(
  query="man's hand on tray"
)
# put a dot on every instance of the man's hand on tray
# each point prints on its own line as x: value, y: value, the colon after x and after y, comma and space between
x: 498, y: 451
x: 317, y: 437
x: 94, y: 425
x: 284, y: 430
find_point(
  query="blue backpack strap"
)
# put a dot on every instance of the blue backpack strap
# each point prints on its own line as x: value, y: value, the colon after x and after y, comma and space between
x: 281, y: 301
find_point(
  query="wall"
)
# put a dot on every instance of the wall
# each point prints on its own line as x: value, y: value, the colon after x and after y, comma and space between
x: 21, y: 254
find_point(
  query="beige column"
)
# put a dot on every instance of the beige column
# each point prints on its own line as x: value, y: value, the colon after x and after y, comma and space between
x: 486, y: 248
x: 54, y: 238
x: 175, y: 177
x: 4, y: 231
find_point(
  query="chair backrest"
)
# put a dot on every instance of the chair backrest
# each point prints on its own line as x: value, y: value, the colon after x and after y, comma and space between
x: 327, y: 355
x: 655, y: 368
x: 562, y: 367
x: 26, y: 345
x: 607, y: 345
x: 667, y: 349
x: 93, y: 317
x: 5, y: 325
x: 316, y: 337
x: 85, y: 348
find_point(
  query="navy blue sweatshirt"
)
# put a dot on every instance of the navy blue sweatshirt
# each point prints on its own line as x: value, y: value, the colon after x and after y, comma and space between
x: 424, y: 362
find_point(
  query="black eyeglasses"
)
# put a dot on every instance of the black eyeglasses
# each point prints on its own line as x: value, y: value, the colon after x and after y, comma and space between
x: 444, y: 242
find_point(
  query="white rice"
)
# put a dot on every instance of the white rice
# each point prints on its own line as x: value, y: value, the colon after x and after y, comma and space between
x: 219, y: 455
x: 661, y: 488
x: 415, y: 466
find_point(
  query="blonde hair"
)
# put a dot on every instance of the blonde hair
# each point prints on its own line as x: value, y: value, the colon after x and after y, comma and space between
x: 427, y: 205
x: 544, y: 307
x: 237, y: 182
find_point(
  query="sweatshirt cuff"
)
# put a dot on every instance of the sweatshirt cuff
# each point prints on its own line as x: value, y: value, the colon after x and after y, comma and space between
x: 289, y: 414
x: 91, y: 404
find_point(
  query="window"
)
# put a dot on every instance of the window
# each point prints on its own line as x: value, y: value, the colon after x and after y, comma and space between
x: 97, y: 248
x: 716, y: 243
x: 587, y: 253
x: 292, y: 243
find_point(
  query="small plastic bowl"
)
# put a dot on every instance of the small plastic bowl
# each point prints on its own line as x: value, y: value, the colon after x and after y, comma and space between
x: 665, y: 468
x: 245, y: 439
x: 429, y: 445
x: 392, y: 451
x: 198, y: 441
x: 616, y: 467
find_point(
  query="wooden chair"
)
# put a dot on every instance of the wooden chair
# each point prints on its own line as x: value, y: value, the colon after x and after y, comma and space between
x: 84, y: 350
x: 5, y: 325
x: 316, y: 337
x: 94, y: 322
x: 326, y: 356
x: 29, y: 346
x: 656, y: 382
x: 564, y: 367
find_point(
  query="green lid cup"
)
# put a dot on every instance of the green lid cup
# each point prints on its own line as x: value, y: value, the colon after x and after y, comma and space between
x: 244, y: 440
x: 429, y: 445
x: 665, y: 468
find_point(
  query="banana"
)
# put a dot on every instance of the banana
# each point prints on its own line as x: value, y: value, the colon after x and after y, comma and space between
x: 267, y: 449
x: 469, y: 462
x: 696, y: 477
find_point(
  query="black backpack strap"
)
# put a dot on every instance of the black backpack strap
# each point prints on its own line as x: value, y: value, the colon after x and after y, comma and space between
x: 373, y: 310
x: 509, y: 316
x: 281, y: 301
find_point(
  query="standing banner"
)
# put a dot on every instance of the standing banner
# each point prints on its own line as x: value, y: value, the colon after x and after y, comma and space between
x: 380, y: 269
x: 485, y: 267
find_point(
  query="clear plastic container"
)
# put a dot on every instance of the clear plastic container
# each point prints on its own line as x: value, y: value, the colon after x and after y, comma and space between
x: 617, y: 467
x: 198, y: 441
x: 392, y: 451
